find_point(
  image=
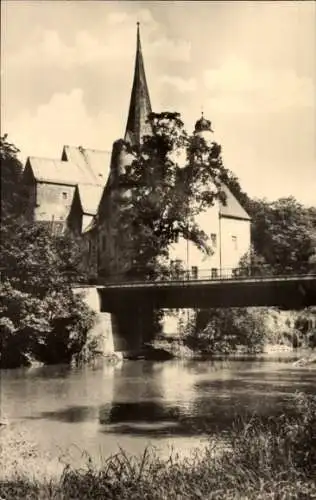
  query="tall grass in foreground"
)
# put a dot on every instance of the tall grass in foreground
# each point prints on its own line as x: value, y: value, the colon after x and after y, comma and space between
x: 266, y: 459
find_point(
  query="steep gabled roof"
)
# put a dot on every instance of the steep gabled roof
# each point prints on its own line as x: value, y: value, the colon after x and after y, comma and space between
x: 86, y: 168
x: 55, y: 171
x: 140, y: 106
x: 91, y: 226
x: 90, y: 196
x: 93, y: 165
x: 232, y: 209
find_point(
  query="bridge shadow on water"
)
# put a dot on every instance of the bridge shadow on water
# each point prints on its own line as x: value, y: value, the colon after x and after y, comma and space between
x: 214, y: 407
x: 146, y: 419
x: 160, y: 400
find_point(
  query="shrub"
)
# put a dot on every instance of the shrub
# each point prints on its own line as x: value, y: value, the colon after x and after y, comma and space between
x: 50, y: 329
x: 227, y: 330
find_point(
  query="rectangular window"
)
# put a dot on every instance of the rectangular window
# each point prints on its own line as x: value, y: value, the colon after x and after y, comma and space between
x: 214, y: 273
x: 235, y: 243
x: 65, y: 195
x: 214, y: 240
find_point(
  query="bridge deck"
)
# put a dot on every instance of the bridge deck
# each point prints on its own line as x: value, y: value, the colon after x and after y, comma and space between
x: 201, y: 282
x: 284, y: 291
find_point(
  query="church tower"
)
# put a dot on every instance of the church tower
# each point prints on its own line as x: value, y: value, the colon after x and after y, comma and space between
x: 140, y: 106
x: 112, y: 258
x: 139, y: 110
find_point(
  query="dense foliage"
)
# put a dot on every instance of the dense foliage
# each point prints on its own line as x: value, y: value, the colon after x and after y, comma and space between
x: 40, y: 316
x: 173, y: 177
x: 11, y: 170
x: 227, y: 331
x: 284, y: 234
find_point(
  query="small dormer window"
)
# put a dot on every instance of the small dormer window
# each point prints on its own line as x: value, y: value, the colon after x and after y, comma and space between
x: 64, y: 195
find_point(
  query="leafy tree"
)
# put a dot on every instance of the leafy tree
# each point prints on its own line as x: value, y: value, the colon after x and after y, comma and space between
x: 253, y: 264
x: 227, y: 330
x: 11, y: 170
x: 36, y: 261
x: 51, y: 329
x: 283, y: 233
x: 173, y: 178
x: 40, y: 316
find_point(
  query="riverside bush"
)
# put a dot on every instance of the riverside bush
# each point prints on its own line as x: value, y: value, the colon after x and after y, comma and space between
x: 49, y: 329
x: 272, y: 459
x: 227, y: 330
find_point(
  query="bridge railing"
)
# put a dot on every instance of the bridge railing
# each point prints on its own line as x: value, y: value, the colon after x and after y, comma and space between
x: 214, y: 274
x: 183, y: 275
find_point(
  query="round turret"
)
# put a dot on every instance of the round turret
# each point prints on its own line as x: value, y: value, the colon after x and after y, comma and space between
x: 203, y: 129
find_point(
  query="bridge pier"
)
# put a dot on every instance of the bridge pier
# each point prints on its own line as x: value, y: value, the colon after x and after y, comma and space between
x: 123, y: 328
x: 132, y: 326
x: 101, y: 330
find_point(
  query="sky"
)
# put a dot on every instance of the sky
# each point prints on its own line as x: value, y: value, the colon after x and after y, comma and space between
x: 67, y: 70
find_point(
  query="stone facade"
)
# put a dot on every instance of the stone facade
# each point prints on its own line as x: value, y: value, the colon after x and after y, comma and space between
x: 66, y: 193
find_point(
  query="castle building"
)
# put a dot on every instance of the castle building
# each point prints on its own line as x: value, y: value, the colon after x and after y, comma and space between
x: 79, y: 192
x: 54, y: 185
x: 226, y: 224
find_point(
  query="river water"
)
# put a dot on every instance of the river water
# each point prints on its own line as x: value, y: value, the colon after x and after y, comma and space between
x: 165, y: 405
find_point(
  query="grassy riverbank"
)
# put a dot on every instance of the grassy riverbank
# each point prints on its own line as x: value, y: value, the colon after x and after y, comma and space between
x: 264, y: 459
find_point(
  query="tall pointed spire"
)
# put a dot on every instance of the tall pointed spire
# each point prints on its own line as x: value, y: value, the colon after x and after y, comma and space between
x: 140, y: 106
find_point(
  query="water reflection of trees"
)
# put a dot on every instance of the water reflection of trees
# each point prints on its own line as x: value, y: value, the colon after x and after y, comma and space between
x: 139, y: 404
x: 71, y: 414
x: 165, y: 399
x: 170, y: 400
x: 156, y: 399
